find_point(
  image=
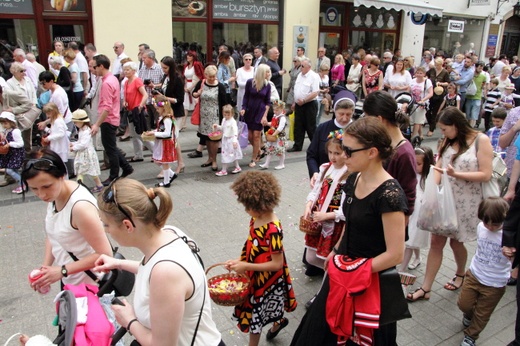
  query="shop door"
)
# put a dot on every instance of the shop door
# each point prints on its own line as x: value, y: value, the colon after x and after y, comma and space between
x: 510, y: 44
x: 65, y: 32
x: 332, y: 43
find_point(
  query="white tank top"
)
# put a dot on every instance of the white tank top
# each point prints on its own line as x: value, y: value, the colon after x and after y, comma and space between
x: 64, y: 238
x: 178, y: 251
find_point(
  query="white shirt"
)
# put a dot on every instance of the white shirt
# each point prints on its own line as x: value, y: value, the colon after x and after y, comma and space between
x: 399, y: 80
x: 116, y: 66
x: 59, y: 139
x: 59, y: 97
x: 30, y: 71
x: 306, y: 84
x: 489, y: 265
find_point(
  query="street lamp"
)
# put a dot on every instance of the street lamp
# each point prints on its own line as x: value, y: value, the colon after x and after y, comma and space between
x: 516, y: 9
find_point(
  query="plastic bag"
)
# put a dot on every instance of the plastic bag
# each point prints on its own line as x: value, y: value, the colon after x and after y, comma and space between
x: 438, y: 213
x: 242, y: 133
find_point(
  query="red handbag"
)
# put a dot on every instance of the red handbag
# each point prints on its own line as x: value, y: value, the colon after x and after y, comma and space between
x: 195, y: 115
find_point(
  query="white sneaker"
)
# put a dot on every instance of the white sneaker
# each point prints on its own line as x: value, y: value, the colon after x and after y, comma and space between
x: 264, y: 166
x: 415, y: 264
x: 467, y: 341
x: 236, y: 170
x: 221, y: 173
x: 279, y: 167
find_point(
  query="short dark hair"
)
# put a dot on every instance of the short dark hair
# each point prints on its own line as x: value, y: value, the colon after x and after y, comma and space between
x: 493, y: 210
x: 499, y: 113
x: 371, y: 133
x: 91, y: 47
x: 58, y: 169
x: 102, y: 60
x: 46, y: 76
x: 145, y: 46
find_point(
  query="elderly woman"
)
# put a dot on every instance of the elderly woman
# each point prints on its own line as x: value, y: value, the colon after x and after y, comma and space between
x: 503, y: 79
x: 440, y: 78
x: 212, y: 97
x: 63, y: 78
x: 19, y: 98
x: 293, y: 73
x: 244, y: 74
x: 75, y: 76
x: 354, y: 76
x: 134, y: 101
x: 256, y: 104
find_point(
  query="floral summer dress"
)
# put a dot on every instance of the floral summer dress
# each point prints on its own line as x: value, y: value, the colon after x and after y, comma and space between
x: 277, y: 148
x: 371, y: 80
x: 270, y: 292
x: 467, y: 194
x: 331, y: 230
x: 208, y: 108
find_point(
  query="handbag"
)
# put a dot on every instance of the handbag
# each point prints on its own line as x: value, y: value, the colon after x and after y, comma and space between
x: 195, y: 115
x: 438, y: 213
x: 26, y: 120
x: 243, y: 133
x: 491, y: 188
x: 394, y: 306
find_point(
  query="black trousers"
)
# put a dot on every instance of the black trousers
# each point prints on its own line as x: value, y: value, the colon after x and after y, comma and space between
x: 115, y: 156
x: 304, y: 121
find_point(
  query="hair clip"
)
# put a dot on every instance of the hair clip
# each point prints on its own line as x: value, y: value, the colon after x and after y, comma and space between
x: 336, y: 134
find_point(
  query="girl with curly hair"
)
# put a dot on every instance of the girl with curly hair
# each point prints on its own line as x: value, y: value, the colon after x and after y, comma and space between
x: 262, y: 259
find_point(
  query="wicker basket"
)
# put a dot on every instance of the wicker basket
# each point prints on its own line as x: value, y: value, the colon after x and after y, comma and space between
x: 407, y: 279
x: 271, y: 138
x: 147, y: 138
x: 235, y: 292
x: 309, y: 227
x: 215, y: 136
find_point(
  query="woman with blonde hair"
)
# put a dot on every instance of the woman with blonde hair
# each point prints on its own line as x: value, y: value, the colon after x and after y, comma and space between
x: 169, y: 277
x: 257, y: 100
x: 244, y: 74
x: 409, y: 65
x: 337, y: 72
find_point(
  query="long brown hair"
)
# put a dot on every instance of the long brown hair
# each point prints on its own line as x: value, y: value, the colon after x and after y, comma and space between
x: 452, y: 116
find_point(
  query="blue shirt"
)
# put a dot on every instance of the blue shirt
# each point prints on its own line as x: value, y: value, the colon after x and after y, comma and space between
x: 466, y: 75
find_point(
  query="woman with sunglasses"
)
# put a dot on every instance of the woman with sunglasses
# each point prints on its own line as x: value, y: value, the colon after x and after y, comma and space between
x: 171, y: 303
x: 71, y: 226
x: 244, y: 74
x: 374, y: 210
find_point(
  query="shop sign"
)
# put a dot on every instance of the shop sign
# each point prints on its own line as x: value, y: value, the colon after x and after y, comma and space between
x: 491, y: 45
x: 68, y: 38
x: 300, y: 37
x: 16, y: 6
x: 331, y: 15
x: 479, y: 2
x: 261, y: 10
x: 456, y: 26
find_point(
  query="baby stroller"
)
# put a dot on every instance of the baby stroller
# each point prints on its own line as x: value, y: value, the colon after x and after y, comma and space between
x: 407, y: 104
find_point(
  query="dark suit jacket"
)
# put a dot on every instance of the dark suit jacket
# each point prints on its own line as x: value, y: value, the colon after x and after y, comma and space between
x: 317, y: 152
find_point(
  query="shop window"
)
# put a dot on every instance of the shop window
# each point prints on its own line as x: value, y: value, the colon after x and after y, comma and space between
x: 244, y: 36
x: 451, y: 43
x: 373, y: 18
x: 16, y: 33
x: 67, y: 33
x: 189, y: 36
x: 373, y: 41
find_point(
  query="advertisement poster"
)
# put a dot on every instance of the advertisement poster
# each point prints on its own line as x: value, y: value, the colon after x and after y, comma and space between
x: 300, y: 38
x: 190, y: 9
x: 264, y: 10
x: 64, y: 6
x: 16, y: 6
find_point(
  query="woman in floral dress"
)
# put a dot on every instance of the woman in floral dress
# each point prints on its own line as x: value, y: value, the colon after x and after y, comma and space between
x: 372, y: 77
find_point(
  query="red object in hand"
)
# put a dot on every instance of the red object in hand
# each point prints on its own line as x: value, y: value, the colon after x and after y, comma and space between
x: 35, y: 275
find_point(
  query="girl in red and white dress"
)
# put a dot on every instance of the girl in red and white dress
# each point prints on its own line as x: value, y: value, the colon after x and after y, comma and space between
x: 165, y: 140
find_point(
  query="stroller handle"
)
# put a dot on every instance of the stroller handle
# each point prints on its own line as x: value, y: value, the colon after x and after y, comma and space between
x: 118, y: 335
x: 107, y: 285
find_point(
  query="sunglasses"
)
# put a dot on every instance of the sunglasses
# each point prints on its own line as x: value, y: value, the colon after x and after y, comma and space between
x: 41, y: 164
x: 22, y: 71
x: 109, y: 196
x: 349, y: 151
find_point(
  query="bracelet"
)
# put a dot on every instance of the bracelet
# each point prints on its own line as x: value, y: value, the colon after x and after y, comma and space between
x: 129, y: 325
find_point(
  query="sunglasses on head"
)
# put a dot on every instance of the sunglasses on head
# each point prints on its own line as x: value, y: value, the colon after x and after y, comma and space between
x: 41, y: 164
x: 349, y: 151
x: 109, y: 196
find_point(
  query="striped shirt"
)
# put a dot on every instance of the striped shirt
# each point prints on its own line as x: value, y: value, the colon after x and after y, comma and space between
x: 492, y: 97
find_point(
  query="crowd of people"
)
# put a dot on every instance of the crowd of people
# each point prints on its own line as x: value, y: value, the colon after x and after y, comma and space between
x: 365, y: 177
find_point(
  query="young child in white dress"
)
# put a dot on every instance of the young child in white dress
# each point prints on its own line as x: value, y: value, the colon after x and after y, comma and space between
x: 166, y: 134
x: 231, y: 151
x: 418, y: 239
x: 86, y: 161
x: 277, y: 129
x: 57, y: 138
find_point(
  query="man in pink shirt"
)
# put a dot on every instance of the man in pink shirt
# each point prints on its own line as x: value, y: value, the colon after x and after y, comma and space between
x: 108, y: 120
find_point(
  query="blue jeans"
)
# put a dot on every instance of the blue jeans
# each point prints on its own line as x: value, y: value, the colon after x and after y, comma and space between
x: 472, y: 108
x: 13, y: 173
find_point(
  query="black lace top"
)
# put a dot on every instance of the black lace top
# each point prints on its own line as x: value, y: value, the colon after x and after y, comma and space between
x: 364, y: 235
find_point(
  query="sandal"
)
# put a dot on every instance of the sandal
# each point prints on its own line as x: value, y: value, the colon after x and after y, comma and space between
x: 252, y: 164
x: 411, y: 298
x: 451, y: 286
x: 284, y: 322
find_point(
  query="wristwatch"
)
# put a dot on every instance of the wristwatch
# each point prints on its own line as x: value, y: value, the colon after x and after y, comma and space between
x: 64, y: 271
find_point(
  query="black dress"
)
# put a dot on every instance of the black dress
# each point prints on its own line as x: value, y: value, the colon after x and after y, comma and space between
x: 364, y: 238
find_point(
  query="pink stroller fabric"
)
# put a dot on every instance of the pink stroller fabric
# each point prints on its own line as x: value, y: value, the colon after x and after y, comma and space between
x: 97, y: 331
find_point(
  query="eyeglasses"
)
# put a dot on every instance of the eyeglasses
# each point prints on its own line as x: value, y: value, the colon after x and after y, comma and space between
x: 248, y: 59
x: 41, y: 164
x: 349, y: 151
x: 22, y: 71
x: 109, y: 196
x: 295, y: 61
x: 116, y: 47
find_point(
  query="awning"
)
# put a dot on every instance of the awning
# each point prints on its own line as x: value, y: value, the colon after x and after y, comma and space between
x: 416, y: 6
